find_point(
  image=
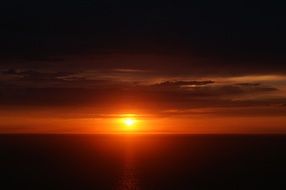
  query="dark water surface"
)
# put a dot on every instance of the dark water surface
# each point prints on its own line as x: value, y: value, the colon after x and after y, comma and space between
x: 143, y: 162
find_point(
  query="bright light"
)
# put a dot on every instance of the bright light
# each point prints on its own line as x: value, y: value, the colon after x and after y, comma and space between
x: 129, y: 122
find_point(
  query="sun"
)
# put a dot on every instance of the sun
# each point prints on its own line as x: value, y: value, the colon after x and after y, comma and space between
x: 129, y: 123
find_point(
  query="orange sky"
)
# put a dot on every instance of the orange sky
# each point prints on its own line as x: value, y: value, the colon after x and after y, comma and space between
x: 161, y: 107
x: 207, y: 124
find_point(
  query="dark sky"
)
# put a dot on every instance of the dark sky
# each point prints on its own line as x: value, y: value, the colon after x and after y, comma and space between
x: 156, y: 56
x: 204, y: 28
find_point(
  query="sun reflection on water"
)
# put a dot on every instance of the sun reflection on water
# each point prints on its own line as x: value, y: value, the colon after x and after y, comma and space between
x: 128, y: 179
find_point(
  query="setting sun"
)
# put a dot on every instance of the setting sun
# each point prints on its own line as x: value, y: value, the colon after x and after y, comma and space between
x: 129, y: 122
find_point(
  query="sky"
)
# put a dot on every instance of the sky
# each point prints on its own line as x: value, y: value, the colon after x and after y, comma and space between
x: 178, y: 67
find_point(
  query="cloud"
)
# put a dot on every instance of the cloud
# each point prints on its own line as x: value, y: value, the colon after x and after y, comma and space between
x: 34, y: 74
x: 248, y: 84
x: 108, y: 96
x: 107, y: 92
x: 174, y: 84
x: 161, y: 64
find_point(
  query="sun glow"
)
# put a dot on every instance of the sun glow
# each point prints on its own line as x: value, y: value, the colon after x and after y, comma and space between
x: 129, y: 123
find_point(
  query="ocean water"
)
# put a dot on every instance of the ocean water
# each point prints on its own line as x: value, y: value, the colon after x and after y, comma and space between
x: 142, y: 162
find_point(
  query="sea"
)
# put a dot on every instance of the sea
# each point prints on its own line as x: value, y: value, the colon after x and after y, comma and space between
x: 142, y: 162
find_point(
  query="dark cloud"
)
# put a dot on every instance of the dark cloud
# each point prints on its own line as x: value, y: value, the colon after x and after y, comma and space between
x: 35, y: 75
x: 156, y: 99
x: 171, y: 63
x: 174, y: 84
x: 248, y: 84
x: 206, y: 89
